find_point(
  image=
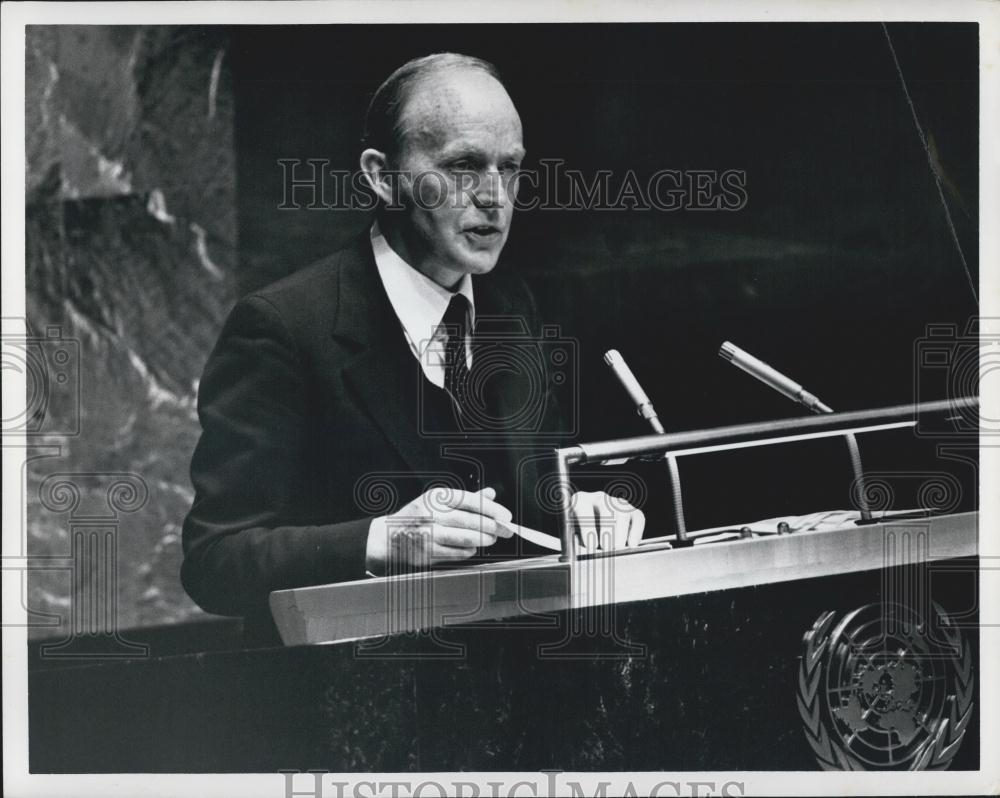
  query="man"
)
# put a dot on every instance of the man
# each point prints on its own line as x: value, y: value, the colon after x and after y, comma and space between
x: 352, y: 421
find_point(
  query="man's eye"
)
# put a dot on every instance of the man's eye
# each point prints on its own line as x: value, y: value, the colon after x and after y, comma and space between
x: 461, y: 166
x: 511, y: 167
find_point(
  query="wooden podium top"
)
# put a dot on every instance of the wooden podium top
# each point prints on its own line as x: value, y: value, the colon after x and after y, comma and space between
x: 376, y: 607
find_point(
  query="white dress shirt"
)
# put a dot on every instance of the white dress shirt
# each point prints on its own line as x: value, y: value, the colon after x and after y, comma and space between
x: 420, y: 304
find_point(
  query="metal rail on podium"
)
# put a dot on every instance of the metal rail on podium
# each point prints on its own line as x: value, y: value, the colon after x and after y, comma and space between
x: 660, y: 567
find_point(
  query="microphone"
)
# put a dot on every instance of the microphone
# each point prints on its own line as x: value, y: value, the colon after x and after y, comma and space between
x: 631, y: 385
x: 770, y: 377
x: 645, y: 409
x: 783, y: 385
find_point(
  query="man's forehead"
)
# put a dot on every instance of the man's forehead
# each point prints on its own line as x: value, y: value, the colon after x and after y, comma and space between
x: 460, y: 108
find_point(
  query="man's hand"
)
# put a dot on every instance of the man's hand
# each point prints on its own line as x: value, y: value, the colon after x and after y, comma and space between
x: 605, y: 522
x: 440, y: 525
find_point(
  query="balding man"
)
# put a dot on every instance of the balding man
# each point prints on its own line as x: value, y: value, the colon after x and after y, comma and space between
x: 353, y: 422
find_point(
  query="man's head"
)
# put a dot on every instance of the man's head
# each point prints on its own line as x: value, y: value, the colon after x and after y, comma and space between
x: 443, y: 139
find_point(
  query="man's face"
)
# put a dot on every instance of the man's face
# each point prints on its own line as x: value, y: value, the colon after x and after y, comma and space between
x: 461, y: 150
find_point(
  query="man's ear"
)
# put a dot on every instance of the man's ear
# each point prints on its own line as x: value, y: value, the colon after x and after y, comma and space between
x: 374, y: 166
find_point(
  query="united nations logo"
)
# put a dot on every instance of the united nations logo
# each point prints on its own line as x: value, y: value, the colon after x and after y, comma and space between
x: 882, y: 690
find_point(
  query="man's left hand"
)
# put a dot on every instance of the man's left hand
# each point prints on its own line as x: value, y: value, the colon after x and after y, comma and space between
x: 605, y: 522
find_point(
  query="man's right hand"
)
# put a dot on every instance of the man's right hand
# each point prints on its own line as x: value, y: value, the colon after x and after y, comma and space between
x: 440, y: 525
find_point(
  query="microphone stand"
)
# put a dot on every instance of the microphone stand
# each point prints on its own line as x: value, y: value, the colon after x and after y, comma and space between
x: 859, y: 476
x: 675, y: 490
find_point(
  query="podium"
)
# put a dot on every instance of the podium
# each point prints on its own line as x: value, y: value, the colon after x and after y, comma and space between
x: 851, y: 646
x: 531, y: 588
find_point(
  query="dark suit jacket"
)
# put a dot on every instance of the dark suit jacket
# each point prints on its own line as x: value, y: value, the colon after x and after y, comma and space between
x: 311, y: 408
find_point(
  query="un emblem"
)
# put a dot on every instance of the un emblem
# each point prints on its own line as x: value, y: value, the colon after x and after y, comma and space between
x: 882, y: 690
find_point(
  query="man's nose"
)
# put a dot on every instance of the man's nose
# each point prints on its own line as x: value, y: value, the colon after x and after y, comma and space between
x: 491, y: 191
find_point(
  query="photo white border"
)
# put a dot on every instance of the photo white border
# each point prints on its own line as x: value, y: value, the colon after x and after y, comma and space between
x: 14, y: 17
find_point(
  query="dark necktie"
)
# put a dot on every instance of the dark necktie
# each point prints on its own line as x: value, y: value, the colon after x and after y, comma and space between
x: 456, y: 369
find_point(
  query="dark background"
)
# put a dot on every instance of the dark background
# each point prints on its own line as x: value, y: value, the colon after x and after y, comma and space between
x: 831, y: 272
x: 152, y: 205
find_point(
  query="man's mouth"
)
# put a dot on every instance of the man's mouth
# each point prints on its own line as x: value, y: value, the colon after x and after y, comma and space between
x: 484, y: 232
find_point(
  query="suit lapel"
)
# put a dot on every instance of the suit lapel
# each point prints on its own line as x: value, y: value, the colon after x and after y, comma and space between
x: 384, y: 374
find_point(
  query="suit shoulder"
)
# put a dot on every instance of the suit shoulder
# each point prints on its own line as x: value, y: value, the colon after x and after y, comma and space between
x: 306, y: 298
x: 318, y: 279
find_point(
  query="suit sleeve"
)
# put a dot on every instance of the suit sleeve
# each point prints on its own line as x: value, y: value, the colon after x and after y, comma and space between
x: 240, y: 539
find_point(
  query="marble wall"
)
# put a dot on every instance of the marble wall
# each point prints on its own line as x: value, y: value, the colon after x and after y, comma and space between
x: 131, y: 237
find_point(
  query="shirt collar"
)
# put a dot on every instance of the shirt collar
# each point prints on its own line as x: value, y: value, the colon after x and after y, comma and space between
x: 418, y: 301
